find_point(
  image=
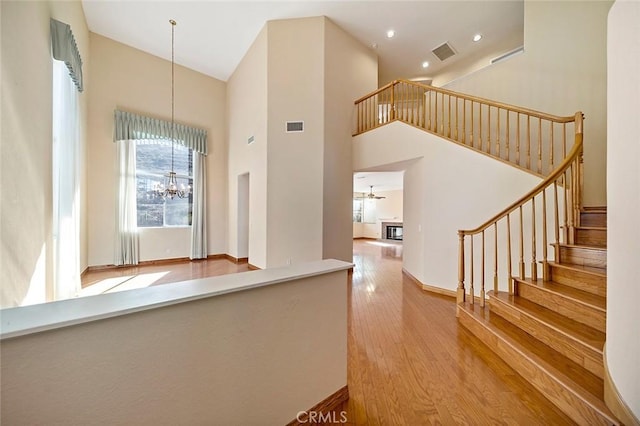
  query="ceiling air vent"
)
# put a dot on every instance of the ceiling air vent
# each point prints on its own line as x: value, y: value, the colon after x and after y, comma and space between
x: 444, y: 51
x: 295, y: 126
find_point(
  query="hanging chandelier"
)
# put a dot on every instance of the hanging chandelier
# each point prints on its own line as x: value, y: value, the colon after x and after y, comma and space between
x: 170, y: 188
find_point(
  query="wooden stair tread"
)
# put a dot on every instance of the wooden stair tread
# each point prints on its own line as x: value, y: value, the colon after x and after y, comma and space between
x: 581, y: 246
x: 596, y: 228
x: 575, y: 330
x: 594, y: 208
x: 589, y: 269
x: 569, y: 373
x: 583, y: 297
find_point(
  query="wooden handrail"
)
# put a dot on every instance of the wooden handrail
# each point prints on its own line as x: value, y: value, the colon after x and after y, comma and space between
x: 519, y: 136
x: 568, y: 175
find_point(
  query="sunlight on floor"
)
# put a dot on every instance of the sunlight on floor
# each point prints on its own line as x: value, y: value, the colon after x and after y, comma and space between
x: 381, y: 244
x: 126, y: 282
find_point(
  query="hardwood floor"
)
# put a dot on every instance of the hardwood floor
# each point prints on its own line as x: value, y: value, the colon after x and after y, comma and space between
x: 410, y: 362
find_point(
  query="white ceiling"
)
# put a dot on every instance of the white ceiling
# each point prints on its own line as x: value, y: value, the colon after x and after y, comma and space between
x: 381, y: 181
x: 213, y: 36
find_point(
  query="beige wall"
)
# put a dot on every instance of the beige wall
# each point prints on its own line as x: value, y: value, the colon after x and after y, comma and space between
x: 562, y: 70
x: 351, y: 70
x: 300, y: 183
x: 26, y: 140
x: 388, y: 209
x: 295, y: 161
x: 247, y: 116
x: 442, y: 194
x: 253, y: 357
x: 131, y: 80
x: 623, y: 181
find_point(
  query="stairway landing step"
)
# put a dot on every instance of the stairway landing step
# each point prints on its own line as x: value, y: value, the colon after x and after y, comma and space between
x: 570, y: 387
x: 585, y: 278
x: 581, y: 344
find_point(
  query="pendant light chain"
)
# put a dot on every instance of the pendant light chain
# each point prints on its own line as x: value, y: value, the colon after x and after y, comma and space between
x: 173, y: 27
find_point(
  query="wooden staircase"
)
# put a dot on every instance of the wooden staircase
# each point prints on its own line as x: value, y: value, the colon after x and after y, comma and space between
x: 552, y: 332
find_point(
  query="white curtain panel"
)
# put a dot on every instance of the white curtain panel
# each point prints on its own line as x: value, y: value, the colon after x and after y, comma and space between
x: 127, y: 241
x: 66, y: 193
x: 199, y: 212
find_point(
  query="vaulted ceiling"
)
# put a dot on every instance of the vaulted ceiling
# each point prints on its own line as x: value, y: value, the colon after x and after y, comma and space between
x: 213, y: 36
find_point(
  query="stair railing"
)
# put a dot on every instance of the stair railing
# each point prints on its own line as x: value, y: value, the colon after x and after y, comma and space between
x: 552, y: 211
x: 528, y: 139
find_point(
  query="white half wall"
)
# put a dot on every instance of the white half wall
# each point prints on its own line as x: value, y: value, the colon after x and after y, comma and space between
x: 623, y: 189
x: 448, y: 187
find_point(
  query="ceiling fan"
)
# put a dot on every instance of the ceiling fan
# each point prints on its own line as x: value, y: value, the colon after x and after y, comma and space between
x: 372, y: 196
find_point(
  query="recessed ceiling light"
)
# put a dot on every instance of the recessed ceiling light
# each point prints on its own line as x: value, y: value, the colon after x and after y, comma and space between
x: 391, y: 34
x: 425, y: 64
x: 477, y: 37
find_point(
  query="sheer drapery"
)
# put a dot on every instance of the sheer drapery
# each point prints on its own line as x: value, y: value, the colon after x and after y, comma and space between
x: 66, y: 193
x: 128, y: 125
x: 127, y: 245
x: 199, y: 210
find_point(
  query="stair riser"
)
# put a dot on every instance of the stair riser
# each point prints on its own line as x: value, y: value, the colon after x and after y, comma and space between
x: 583, y: 257
x: 591, y: 237
x: 573, y: 309
x: 575, y: 407
x: 593, y: 219
x: 585, y: 281
x: 575, y: 350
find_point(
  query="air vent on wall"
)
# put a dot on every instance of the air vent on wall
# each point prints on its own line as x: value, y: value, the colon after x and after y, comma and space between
x: 444, y: 51
x: 508, y: 55
x: 250, y: 140
x: 295, y: 126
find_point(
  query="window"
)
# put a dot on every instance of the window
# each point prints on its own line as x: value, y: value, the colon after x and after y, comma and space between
x: 357, y: 209
x: 153, y: 161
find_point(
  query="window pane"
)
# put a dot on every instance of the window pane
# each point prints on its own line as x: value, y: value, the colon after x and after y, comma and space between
x: 153, y: 162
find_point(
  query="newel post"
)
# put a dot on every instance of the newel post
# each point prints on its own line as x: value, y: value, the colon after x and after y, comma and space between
x: 460, y: 294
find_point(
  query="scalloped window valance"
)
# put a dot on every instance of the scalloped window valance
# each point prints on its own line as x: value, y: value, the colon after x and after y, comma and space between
x: 130, y: 126
x: 64, y: 48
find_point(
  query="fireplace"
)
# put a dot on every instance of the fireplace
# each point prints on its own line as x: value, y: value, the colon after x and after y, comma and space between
x: 391, y: 231
x: 394, y: 232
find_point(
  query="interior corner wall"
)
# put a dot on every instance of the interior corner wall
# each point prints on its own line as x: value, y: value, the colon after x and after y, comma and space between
x: 561, y: 71
x: 129, y: 79
x: 295, y: 86
x: 26, y: 145
x: 247, y: 117
x: 351, y: 70
x: 623, y: 180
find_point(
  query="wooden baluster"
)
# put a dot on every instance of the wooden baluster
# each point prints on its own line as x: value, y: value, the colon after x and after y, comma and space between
x: 495, y: 257
x: 488, y: 129
x: 472, y: 126
x: 564, y: 140
x: 455, y: 136
x: 507, y: 148
x: 472, y: 291
x: 518, y: 139
x: 429, y: 115
x: 393, y: 103
x: 545, y: 263
x: 528, y: 142
x: 464, y: 121
x: 443, y: 117
x: 480, y: 128
x: 551, y: 148
x: 565, y: 226
x: 460, y: 293
x: 435, y: 109
x: 509, y: 272
x: 539, y: 145
x: 482, y: 280
x: 534, y: 263
x: 423, y: 99
x: 522, y: 270
x: 449, y: 120
x: 498, y: 153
